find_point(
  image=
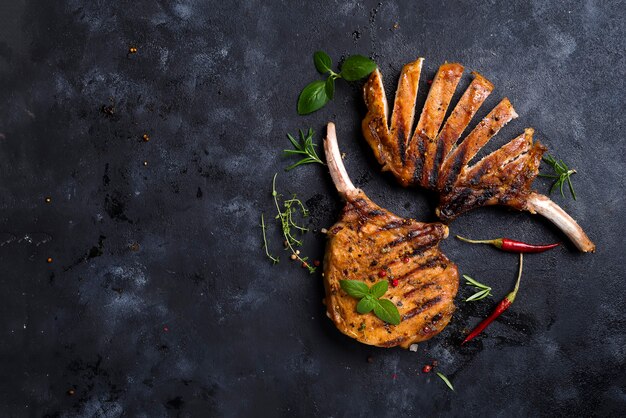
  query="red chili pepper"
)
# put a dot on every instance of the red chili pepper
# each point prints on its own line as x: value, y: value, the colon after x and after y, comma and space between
x: 394, y: 282
x: 501, y: 307
x: 510, y: 245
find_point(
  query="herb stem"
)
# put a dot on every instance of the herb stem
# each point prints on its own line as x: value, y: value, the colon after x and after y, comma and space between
x: 287, y: 222
x: 267, y: 252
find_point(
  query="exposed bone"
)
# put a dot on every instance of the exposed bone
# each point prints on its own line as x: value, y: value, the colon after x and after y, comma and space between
x: 335, y: 164
x: 544, y: 206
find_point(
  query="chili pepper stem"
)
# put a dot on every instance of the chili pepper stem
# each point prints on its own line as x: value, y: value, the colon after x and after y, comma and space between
x: 511, y: 296
x: 500, y: 307
x: 496, y: 242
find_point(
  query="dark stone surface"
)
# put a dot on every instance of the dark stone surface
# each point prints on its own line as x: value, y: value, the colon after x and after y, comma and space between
x: 159, y: 300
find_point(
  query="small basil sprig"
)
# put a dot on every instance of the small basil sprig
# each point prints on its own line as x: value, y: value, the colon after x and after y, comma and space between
x: 370, y: 299
x: 316, y: 94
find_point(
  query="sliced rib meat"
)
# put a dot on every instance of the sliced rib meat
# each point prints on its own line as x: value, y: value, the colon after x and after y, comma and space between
x: 369, y: 239
x: 434, y: 157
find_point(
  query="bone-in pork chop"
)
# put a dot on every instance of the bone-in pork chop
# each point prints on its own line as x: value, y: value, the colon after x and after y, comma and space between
x: 370, y: 244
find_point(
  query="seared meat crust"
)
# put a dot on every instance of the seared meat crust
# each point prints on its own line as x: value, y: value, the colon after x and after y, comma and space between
x: 434, y: 156
x: 369, y: 240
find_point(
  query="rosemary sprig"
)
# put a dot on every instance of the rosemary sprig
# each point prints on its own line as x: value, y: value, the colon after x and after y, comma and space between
x: 562, y: 175
x: 285, y: 216
x: 483, y: 293
x: 446, y: 381
x: 267, y: 252
x: 305, y: 147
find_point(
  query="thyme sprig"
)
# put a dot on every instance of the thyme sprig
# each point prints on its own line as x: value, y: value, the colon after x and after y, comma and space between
x: 562, y: 175
x: 481, y: 294
x: 304, y: 147
x: 285, y: 216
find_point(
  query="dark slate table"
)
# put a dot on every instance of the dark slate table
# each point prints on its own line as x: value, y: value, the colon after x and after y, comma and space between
x: 141, y: 288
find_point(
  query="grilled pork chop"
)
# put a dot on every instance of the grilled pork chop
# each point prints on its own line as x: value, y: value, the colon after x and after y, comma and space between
x: 368, y: 240
x: 430, y: 157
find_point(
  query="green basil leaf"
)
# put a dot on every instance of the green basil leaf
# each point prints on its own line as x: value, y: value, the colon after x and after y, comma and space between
x: 356, y: 67
x: 322, y: 61
x: 387, y: 311
x: 379, y: 289
x: 312, y: 98
x: 330, y: 87
x: 366, y: 305
x: 354, y: 288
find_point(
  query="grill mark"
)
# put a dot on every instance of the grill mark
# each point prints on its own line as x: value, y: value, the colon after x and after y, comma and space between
x: 484, y: 197
x: 509, y: 198
x: 421, y: 308
x: 411, y: 235
x: 375, y: 212
x: 392, y: 225
x: 419, y: 159
x: 519, y: 181
x: 421, y: 248
x: 421, y: 148
x: 415, y: 253
x: 436, y: 318
x: 418, y: 289
x: 394, y: 342
x: 505, y: 198
x: 435, y: 281
x: 427, y: 285
x: 480, y: 173
x: 431, y: 262
x: 402, y: 143
x: 358, y: 206
x: 459, y: 161
x: 434, y: 175
x: 453, y: 207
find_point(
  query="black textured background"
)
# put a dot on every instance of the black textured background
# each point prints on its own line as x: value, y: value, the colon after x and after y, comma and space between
x: 159, y: 300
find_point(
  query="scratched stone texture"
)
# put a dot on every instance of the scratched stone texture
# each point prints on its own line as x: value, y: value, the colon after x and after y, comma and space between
x: 159, y: 301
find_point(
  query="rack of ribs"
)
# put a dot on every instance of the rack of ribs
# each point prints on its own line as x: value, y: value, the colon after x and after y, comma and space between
x: 431, y: 156
x: 369, y: 239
